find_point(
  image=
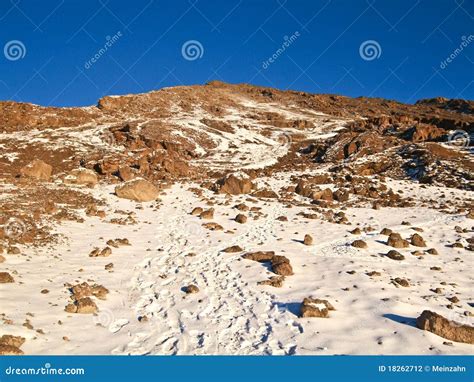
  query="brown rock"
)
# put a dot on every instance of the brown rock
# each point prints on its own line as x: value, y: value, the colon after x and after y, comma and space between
x: 359, y: 244
x: 356, y: 231
x: 125, y: 173
x: 386, y: 231
x: 10, y: 340
x: 82, y: 176
x: 274, y: 281
x: 314, y: 307
x: 191, y: 289
x: 86, y: 306
x: 213, y: 226
x: 401, y: 282
x: 10, y: 350
x: 259, y: 256
x: 445, y: 328
x: 6, y: 278
x: 308, y: 240
x: 394, y: 255
x: 281, y: 266
x: 417, y: 241
x: 207, y: 214
x: 396, y: 241
x: 197, y: 211
x: 138, y: 189
x: 234, y: 184
x: 241, y: 218
x: 37, y: 169
x: 233, y: 249
x: 432, y: 251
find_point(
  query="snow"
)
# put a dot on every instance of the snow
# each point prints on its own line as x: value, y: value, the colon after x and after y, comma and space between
x: 231, y: 314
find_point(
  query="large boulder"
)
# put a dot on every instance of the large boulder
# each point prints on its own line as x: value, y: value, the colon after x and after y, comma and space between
x: 37, y: 169
x: 139, y: 190
x: 445, y: 328
x: 234, y: 184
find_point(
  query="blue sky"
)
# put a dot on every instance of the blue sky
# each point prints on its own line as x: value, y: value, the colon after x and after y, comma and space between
x: 47, y: 47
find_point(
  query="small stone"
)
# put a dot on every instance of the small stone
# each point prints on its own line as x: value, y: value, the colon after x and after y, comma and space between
x: 191, y: 289
x: 241, y: 218
x: 402, y: 282
x: 233, y: 249
x: 308, y: 240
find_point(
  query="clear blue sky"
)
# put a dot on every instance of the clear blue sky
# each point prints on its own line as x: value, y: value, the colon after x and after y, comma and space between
x: 46, y: 47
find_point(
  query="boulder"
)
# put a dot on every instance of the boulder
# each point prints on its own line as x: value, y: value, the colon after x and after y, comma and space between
x: 234, y: 184
x: 359, y: 244
x: 138, y: 189
x: 207, y: 214
x: 6, y: 278
x: 37, y: 169
x: 394, y: 255
x: 445, y: 328
x: 241, y: 218
x: 84, y: 305
x: 396, y: 241
x: 10, y: 350
x: 314, y: 307
x: 281, y: 266
x: 10, y: 340
x: 417, y: 241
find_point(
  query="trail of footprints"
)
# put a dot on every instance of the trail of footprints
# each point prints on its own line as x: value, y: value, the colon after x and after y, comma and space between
x: 231, y: 317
